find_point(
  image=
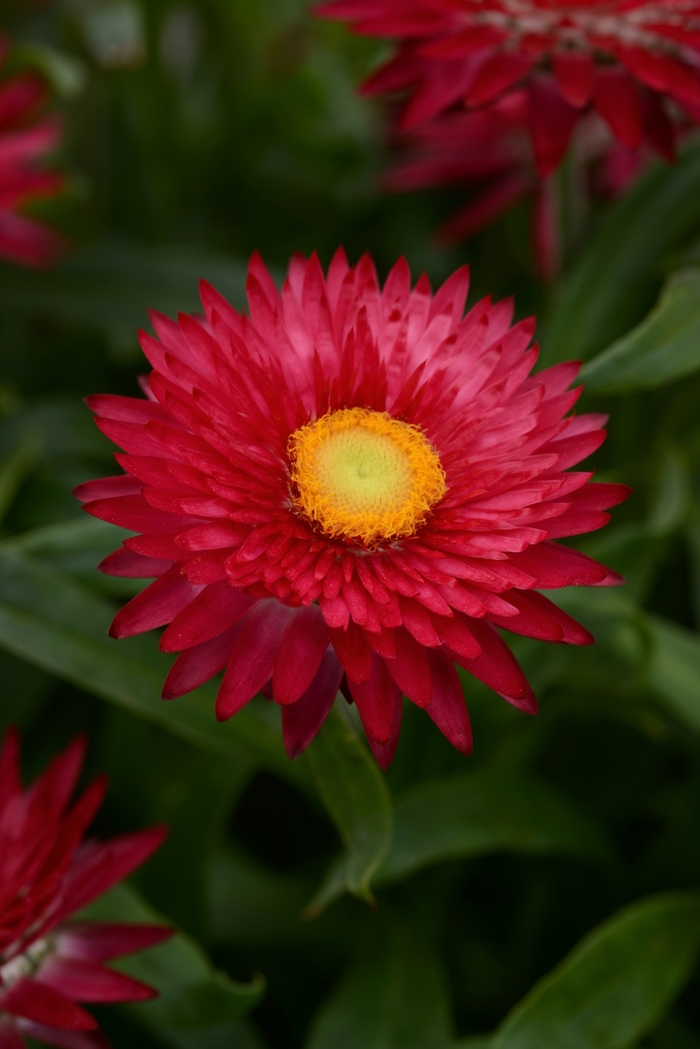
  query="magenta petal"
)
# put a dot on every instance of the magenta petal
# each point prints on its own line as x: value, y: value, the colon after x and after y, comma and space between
x: 100, y: 941
x: 86, y: 981
x: 10, y: 1038
x: 497, y: 667
x: 302, y: 720
x: 156, y: 605
x: 448, y: 708
x: 410, y: 669
x: 35, y: 1001
x: 65, y: 1039
x: 384, y: 752
x: 299, y: 655
x: 253, y: 657
x: 376, y: 700
x: 198, y: 664
x: 217, y: 608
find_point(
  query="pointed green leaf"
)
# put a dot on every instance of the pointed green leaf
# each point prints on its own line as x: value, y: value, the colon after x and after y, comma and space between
x: 355, y: 793
x: 662, y: 348
x: 483, y: 812
x: 616, y: 984
x: 394, y: 997
x: 605, y: 291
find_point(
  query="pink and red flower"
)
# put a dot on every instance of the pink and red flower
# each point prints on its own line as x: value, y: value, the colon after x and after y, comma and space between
x: 635, y: 62
x: 23, y: 139
x: 353, y: 486
x: 48, y: 962
x: 489, y: 152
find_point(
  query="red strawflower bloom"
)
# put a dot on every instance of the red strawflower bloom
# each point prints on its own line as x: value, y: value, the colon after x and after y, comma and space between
x: 23, y: 139
x: 489, y: 151
x: 636, y: 62
x: 352, y: 483
x: 48, y: 964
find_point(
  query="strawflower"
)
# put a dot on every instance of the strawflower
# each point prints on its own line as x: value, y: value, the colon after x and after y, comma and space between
x: 489, y: 153
x: 635, y: 62
x: 49, y: 962
x: 354, y: 486
x: 24, y: 138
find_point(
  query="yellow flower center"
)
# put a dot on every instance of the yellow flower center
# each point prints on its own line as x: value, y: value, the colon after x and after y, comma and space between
x: 362, y: 475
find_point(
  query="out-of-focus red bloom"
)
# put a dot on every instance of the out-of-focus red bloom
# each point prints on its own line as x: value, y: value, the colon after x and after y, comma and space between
x: 23, y: 139
x: 48, y: 963
x: 636, y: 62
x: 489, y: 151
x: 353, y: 483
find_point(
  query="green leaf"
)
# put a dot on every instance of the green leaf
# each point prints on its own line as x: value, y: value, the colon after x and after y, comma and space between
x: 484, y: 812
x: 616, y: 984
x: 356, y: 795
x: 604, y: 292
x: 394, y: 997
x: 674, y: 668
x: 662, y: 348
x: 111, y: 286
x: 192, y: 994
x: 52, y: 621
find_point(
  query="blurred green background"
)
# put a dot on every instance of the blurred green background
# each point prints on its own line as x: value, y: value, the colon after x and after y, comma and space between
x: 194, y: 134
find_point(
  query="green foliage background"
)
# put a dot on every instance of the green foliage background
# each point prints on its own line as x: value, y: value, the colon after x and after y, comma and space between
x: 545, y: 892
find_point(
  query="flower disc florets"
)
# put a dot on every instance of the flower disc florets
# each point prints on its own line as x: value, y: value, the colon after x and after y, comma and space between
x: 362, y: 475
x: 634, y: 62
x: 353, y: 485
x: 48, y: 963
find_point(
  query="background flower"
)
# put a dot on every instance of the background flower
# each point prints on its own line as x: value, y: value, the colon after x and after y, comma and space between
x: 259, y: 473
x: 635, y: 63
x: 25, y: 137
x: 49, y: 963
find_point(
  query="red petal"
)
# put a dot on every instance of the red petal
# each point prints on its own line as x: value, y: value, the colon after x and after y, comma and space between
x: 410, y: 670
x: 156, y: 605
x: 617, y: 100
x: 217, y: 608
x: 575, y: 73
x: 253, y: 657
x: 498, y: 668
x: 36, y: 1001
x: 86, y: 981
x: 376, y: 701
x: 552, y: 121
x: 302, y: 720
x: 448, y: 708
x: 100, y: 941
x: 299, y: 655
x: 497, y: 75
x: 198, y: 664
x: 384, y: 752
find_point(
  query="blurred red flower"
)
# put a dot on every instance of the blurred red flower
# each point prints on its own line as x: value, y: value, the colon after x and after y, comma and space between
x: 354, y: 485
x: 635, y: 62
x: 48, y: 963
x: 24, y: 137
x: 489, y: 152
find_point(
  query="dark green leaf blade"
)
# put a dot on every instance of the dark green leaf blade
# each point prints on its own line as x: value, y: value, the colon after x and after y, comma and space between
x: 356, y: 795
x: 394, y: 997
x: 485, y: 812
x: 664, y: 347
x: 604, y: 292
x: 616, y: 984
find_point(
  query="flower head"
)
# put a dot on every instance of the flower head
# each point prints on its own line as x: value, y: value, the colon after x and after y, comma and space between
x: 354, y: 485
x: 636, y: 62
x: 489, y: 152
x: 23, y: 139
x: 48, y: 963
